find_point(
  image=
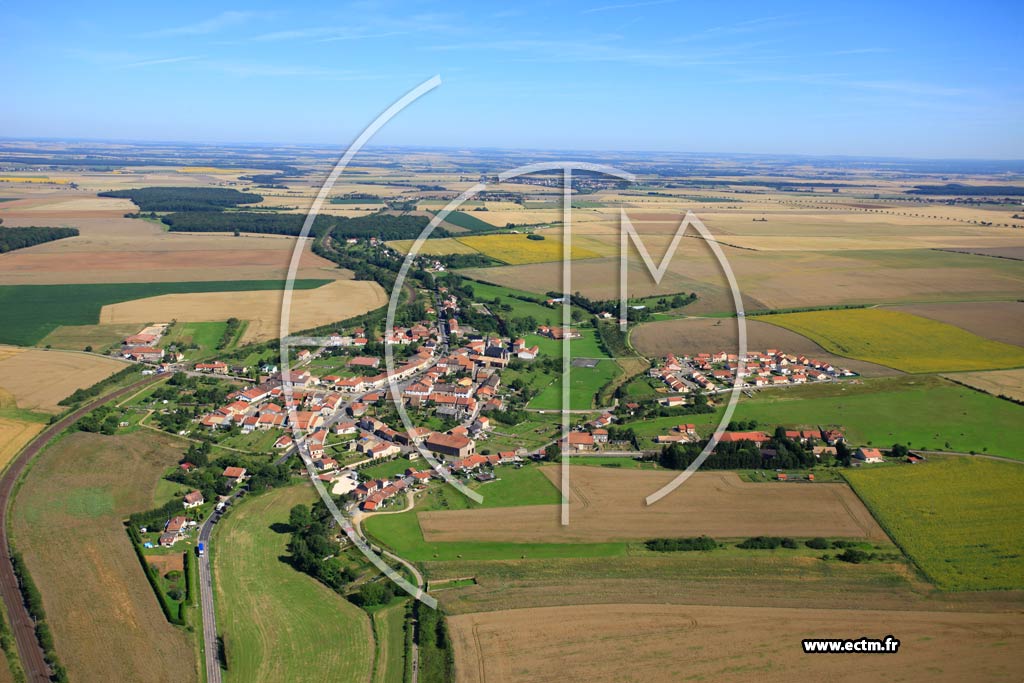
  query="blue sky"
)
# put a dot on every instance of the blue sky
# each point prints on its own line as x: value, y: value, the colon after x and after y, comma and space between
x: 917, y: 79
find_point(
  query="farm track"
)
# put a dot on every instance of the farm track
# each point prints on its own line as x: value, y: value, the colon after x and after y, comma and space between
x: 29, y: 650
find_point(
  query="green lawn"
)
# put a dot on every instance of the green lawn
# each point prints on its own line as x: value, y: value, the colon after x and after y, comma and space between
x: 958, y: 518
x: 544, y: 315
x: 277, y: 623
x: 204, y: 335
x: 389, y: 632
x: 925, y: 412
x: 526, y: 486
x: 258, y: 441
x: 586, y: 346
x: 584, y: 383
x: 30, y: 312
x: 391, y: 468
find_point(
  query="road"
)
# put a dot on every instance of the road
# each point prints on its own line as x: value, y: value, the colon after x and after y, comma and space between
x: 29, y: 651
x: 210, y: 645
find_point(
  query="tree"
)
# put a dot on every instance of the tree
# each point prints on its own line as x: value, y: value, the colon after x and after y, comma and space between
x: 299, y: 517
x: 900, y: 451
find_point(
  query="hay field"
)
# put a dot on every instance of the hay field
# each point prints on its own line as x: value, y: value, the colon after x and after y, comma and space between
x: 112, y: 248
x: 639, y: 643
x: 278, y: 623
x: 38, y: 379
x: 66, y: 521
x: 900, y: 340
x: 996, y: 382
x: 1001, y: 321
x: 690, y: 336
x: 518, y: 249
x: 310, y: 308
x: 608, y: 505
x: 77, y: 337
x: 956, y: 517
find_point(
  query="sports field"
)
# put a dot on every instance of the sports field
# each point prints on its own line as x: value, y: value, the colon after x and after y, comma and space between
x: 277, y: 623
x: 607, y: 505
x: 900, y: 340
x: 97, y: 598
x: 950, y: 515
x: 643, y: 642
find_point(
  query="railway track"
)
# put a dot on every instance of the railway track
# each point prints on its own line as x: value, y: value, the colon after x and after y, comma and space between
x: 29, y: 651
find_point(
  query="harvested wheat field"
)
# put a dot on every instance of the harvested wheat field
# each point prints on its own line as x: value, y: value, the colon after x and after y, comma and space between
x: 997, y: 320
x: 15, y: 433
x: 996, y: 382
x: 66, y: 520
x: 641, y: 643
x: 38, y: 379
x: 309, y: 308
x: 689, y: 336
x: 608, y: 505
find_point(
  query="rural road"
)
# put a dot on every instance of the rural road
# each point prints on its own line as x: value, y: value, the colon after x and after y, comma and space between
x: 210, y: 645
x: 29, y: 651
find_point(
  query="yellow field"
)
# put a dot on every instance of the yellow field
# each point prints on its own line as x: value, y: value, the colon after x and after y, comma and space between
x: 900, y: 340
x: 310, y: 307
x: 223, y: 171
x: 38, y: 379
x: 517, y: 249
x: 32, y: 180
x: 996, y: 382
x: 14, y: 434
x: 438, y: 247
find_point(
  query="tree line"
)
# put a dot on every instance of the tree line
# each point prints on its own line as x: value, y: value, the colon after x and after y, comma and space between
x: 20, y: 238
x: 184, y: 198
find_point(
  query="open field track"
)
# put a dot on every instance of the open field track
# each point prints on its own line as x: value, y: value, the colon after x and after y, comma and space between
x: 309, y: 308
x: 85, y: 553
x: 608, y: 505
x: 280, y: 625
x: 628, y: 642
x: 38, y: 379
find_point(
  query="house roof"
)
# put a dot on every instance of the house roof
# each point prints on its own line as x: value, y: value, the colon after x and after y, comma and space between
x: 234, y: 472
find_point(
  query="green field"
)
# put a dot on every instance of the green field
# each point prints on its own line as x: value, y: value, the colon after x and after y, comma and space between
x: 277, y: 623
x: 389, y: 633
x: 900, y: 340
x: 389, y: 469
x: 587, y: 346
x: 584, y: 383
x: 204, y: 335
x: 923, y: 412
x: 957, y: 518
x: 544, y: 315
x: 526, y: 486
x: 461, y: 219
x: 100, y: 337
x: 30, y: 312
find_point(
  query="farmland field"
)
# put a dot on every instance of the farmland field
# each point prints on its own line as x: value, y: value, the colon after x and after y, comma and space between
x: 310, y: 307
x: 205, y: 335
x: 444, y: 246
x: 996, y: 382
x: 30, y: 312
x: 17, y: 428
x: 279, y: 624
x: 998, y: 320
x: 77, y: 337
x: 900, y: 340
x: 517, y: 249
x: 629, y: 642
x: 953, y: 516
x: 925, y: 412
x: 38, y: 379
x: 689, y: 336
x: 469, y: 221
x: 96, y: 596
x: 607, y: 505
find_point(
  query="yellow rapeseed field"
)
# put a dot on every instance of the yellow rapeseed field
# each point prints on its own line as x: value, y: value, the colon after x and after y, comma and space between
x: 900, y: 340
x: 516, y: 249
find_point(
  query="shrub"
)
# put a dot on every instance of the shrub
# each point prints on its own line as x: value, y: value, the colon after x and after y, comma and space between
x: 853, y: 555
x: 818, y: 543
x: 681, y: 544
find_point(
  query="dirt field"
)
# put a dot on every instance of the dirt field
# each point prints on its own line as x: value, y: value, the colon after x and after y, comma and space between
x: 38, y: 379
x: 112, y: 248
x: 642, y: 643
x: 707, y: 335
x: 608, y: 505
x: 999, y: 320
x: 106, y: 622
x: 309, y: 308
x: 996, y: 382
